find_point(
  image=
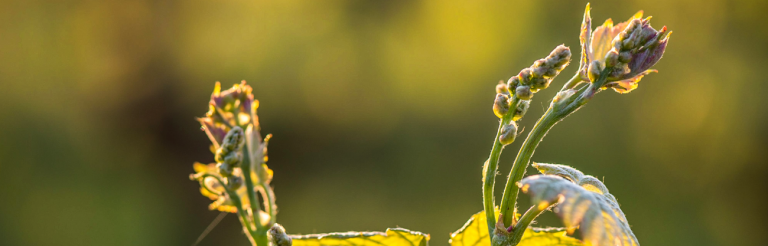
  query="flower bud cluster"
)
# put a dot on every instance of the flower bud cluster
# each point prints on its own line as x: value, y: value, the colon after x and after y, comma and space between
x: 232, y: 126
x: 228, y: 155
x: 529, y: 81
x: 635, y: 49
x: 627, y: 50
x: 522, y: 87
x: 538, y: 76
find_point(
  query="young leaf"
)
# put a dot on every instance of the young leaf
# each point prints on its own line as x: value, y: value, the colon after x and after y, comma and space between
x: 584, y: 201
x: 475, y: 233
x: 586, y: 181
x: 393, y: 236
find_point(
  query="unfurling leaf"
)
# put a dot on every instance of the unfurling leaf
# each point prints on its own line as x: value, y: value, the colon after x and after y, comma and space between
x: 475, y: 233
x: 584, y: 201
x: 393, y: 236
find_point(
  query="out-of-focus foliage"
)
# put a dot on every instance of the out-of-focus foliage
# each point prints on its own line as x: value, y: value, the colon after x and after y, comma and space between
x: 475, y: 233
x: 382, y: 105
x: 393, y: 236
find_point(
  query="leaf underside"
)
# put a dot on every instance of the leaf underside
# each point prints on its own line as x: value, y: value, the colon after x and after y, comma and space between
x: 393, y: 236
x: 584, y: 202
x: 475, y: 233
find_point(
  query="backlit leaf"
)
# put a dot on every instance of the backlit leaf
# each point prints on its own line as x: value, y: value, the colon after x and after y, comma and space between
x: 475, y: 233
x: 393, y: 236
x: 584, y: 202
x: 544, y: 238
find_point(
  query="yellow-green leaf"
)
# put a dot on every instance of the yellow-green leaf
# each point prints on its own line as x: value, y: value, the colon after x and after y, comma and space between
x: 546, y: 238
x: 393, y: 236
x: 475, y: 233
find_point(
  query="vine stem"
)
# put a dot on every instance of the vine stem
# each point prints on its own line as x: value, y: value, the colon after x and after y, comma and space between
x: 253, y: 157
x: 255, y: 207
x: 525, y: 221
x: 260, y: 230
x: 269, y: 200
x: 251, y: 234
x: 555, y: 113
x: 489, y: 174
x: 546, y: 122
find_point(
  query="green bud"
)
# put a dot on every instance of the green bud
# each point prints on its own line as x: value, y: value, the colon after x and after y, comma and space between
x: 278, y: 236
x: 225, y: 169
x: 625, y: 56
x: 620, y: 70
x: 521, y: 109
x: 228, y: 155
x: 611, y: 58
x: 551, y: 73
x: 233, y: 140
x: 616, y: 43
x: 501, y: 105
x: 233, y: 158
x: 627, y: 44
x: 524, y: 92
x: 231, y: 144
x: 594, y: 70
x: 502, y: 88
x: 513, y: 82
x: 551, y: 65
x: 631, y: 35
x: 539, y: 71
x: 539, y: 83
x: 560, y: 56
x: 220, y: 154
x: 235, y: 182
x: 508, y: 133
x: 525, y: 76
x: 623, y: 34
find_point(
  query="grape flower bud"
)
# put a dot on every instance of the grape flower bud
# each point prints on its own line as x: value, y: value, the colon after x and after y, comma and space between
x: 508, y: 133
x: 502, y: 88
x: 501, y: 105
x: 278, y: 236
x: 521, y: 109
x: 629, y: 49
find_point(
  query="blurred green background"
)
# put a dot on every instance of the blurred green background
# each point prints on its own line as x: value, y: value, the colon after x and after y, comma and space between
x: 380, y: 110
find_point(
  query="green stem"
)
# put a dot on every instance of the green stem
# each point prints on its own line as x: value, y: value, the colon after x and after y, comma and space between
x: 255, y: 207
x: 555, y: 113
x: 254, y: 162
x: 261, y: 238
x: 489, y: 176
x: 269, y: 201
x: 525, y: 221
x: 251, y: 234
x: 573, y: 82
x: 521, y: 163
x: 260, y: 232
